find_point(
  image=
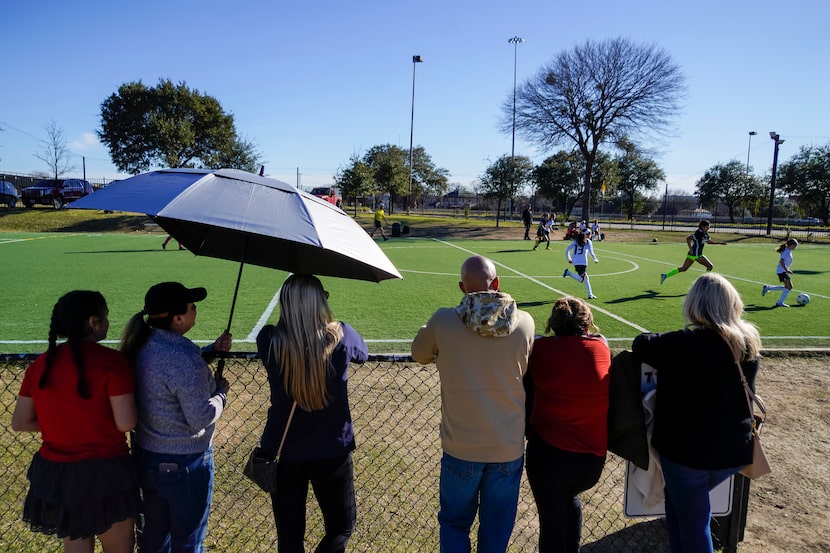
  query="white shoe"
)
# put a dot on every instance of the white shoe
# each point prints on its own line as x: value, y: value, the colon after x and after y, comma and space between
x: 592, y: 297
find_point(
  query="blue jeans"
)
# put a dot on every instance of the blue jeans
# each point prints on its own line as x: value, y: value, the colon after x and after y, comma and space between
x: 687, y: 505
x: 176, y: 492
x: 467, y: 487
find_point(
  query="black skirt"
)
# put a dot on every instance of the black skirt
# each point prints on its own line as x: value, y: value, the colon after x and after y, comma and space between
x: 80, y: 499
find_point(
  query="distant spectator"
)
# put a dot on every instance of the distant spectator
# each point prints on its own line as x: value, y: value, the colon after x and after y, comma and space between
x: 380, y: 218
x: 527, y: 220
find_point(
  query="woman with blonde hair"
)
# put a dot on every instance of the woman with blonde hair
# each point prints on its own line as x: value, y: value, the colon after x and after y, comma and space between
x: 702, y: 422
x: 307, y: 356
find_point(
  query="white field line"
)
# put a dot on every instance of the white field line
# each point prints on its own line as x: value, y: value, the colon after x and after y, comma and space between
x: 614, y: 316
x: 263, y: 318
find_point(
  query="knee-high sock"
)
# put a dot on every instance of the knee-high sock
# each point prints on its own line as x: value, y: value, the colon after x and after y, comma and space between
x: 672, y: 272
x: 587, y: 283
x: 574, y: 276
x: 784, y: 294
x: 775, y: 288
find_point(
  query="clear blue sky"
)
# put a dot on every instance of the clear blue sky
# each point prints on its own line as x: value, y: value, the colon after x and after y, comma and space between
x: 311, y: 83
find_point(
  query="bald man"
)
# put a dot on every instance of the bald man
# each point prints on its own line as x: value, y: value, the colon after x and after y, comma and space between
x: 481, y: 348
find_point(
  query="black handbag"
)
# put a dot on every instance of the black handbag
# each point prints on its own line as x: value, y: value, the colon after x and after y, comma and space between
x: 262, y: 471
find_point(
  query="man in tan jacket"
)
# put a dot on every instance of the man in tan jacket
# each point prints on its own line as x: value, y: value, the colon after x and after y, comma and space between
x: 481, y: 348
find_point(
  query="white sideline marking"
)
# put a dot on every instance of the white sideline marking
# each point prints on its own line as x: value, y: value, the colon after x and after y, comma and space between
x: 634, y: 268
x: 263, y: 318
x: 614, y: 316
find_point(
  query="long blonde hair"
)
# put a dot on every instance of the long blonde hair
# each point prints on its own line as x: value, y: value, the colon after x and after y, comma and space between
x: 712, y: 302
x: 304, y: 339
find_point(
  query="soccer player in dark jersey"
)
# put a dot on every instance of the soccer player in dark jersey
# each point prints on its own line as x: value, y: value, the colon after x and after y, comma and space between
x: 695, y: 242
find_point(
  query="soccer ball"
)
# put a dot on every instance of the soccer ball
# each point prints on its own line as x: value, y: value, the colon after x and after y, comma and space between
x: 803, y: 299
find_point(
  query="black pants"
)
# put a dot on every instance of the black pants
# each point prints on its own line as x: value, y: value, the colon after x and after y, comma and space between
x: 333, y: 483
x: 556, y: 478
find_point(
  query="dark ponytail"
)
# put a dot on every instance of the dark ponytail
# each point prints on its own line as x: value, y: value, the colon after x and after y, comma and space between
x: 70, y: 319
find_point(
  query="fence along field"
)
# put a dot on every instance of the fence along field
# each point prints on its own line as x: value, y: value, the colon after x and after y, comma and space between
x: 395, y: 402
x: 38, y: 268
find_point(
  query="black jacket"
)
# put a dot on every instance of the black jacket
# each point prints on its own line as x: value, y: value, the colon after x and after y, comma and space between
x: 701, y: 418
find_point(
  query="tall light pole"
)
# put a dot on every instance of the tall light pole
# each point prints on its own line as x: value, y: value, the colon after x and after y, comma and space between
x: 748, y: 148
x: 515, y: 41
x: 415, y: 60
x: 778, y: 141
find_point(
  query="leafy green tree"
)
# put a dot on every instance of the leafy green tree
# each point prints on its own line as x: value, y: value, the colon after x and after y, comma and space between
x: 636, y: 175
x: 356, y: 180
x: 389, y: 165
x: 426, y: 177
x: 504, y: 178
x: 807, y: 175
x: 597, y: 93
x: 170, y: 125
x: 731, y: 185
x: 559, y: 178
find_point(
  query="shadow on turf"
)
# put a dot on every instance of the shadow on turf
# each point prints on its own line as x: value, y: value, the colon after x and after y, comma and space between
x: 160, y: 250
x: 753, y: 307
x: 647, y: 295
x: 524, y: 304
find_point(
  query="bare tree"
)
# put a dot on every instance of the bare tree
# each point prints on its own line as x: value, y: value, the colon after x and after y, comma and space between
x: 599, y: 92
x: 55, y: 153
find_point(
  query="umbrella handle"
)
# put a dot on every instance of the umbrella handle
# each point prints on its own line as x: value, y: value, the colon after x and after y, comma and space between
x: 220, y: 367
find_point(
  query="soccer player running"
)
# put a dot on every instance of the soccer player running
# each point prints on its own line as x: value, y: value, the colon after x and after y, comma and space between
x: 582, y: 248
x: 783, y: 270
x: 695, y: 242
x: 543, y: 232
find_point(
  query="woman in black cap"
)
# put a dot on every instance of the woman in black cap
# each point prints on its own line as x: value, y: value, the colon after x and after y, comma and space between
x: 178, y: 402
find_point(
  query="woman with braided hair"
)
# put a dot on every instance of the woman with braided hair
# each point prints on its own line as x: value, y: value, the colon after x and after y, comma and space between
x: 79, y: 396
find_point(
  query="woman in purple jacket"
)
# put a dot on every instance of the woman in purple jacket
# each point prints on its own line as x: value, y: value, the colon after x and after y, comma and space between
x: 307, y: 356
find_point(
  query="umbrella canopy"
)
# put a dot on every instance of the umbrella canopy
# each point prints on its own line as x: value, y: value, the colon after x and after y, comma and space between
x: 235, y: 215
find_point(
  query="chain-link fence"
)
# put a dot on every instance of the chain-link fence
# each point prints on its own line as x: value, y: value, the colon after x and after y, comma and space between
x: 396, y: 411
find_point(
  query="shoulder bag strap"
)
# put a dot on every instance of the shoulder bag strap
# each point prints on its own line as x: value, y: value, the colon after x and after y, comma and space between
x: 752, y: 397
x: 285, y: 432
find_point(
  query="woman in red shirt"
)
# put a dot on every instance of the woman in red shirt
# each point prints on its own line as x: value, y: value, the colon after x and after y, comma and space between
x: 567, y: 432
x: 79, y: 396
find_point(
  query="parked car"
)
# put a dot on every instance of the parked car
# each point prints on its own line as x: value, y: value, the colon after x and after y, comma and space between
x: 8, y: 194
x: 809, y: 221
x: 329, y: 193
x: 57, y: 192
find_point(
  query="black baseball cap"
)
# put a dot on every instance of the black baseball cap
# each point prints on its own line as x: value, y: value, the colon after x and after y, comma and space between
x: 170, y: 297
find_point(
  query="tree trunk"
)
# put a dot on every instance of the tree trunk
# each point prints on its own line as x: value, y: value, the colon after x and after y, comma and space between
x: 586, y: 193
